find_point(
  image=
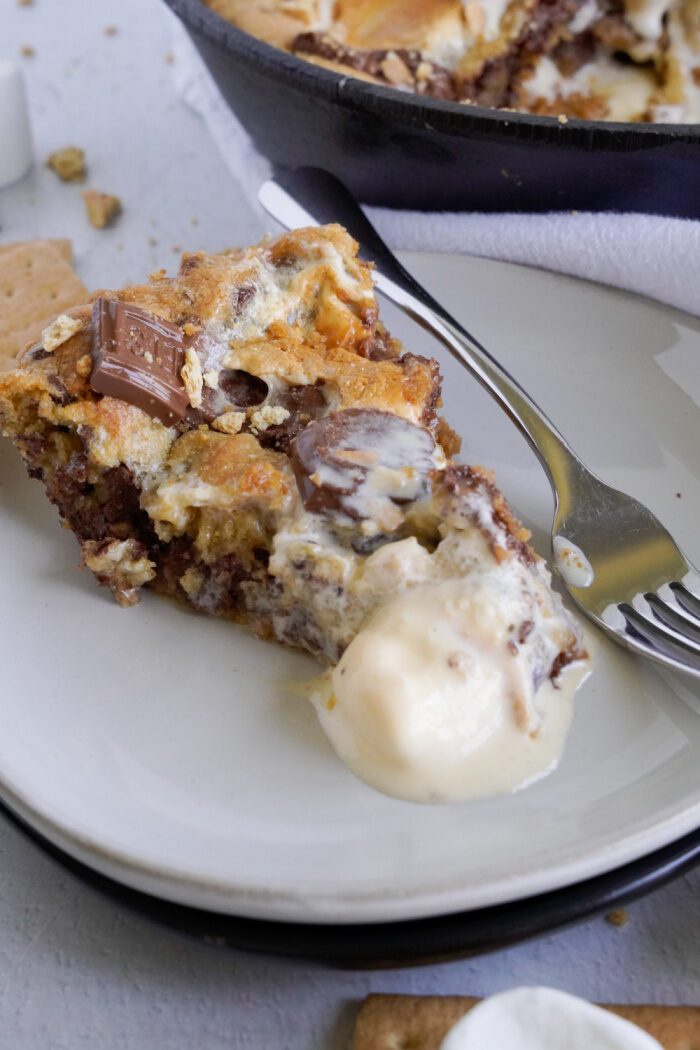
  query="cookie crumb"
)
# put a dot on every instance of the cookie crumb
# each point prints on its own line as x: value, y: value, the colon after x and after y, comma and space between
x: 83, y: 366
x: 229, y: 422
x: 153, y: 241
x: 25, y: 3
x: 68, y: 163
x: 169, y: 58
x: 619, y: 917
x: 110, y: 30
x: 102, y: 208
x: 177, y: 248
x: 395, y: 70
x: 267, y: 416
x: 27, y: 51
x: 679, y: 495
x: 191, y: 581
x: 59, y: 332
x: 191, y: 375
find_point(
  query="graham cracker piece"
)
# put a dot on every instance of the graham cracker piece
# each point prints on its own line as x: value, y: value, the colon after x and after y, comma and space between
x: 415, y: 1022
x: 37, y: 282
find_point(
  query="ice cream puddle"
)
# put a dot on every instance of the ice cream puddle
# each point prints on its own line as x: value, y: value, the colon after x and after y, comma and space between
x: 572, y: 563
x: 433, y: 701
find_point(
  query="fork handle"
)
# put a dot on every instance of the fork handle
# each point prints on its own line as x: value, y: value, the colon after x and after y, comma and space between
x: 311, y: 197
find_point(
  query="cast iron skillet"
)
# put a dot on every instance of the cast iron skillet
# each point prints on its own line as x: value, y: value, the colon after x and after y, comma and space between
x: 408, y: 151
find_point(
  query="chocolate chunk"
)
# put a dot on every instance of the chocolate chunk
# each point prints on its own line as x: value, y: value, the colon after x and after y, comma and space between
x: 106, y: 510
x: 38, y: 354
x: 439, y: 83
x: 242, y: 389
x: 362, y: 463
x: 241, y: 296
x: 303, y: 403
x: 308, y: 402
x: 236, y: 390
x: 213, y: 405
x: 279, y: 436
x: 60, y: 395
x: 137, y: 358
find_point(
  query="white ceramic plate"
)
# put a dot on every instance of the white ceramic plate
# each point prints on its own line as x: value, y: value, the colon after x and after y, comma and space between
x: 162, y: 749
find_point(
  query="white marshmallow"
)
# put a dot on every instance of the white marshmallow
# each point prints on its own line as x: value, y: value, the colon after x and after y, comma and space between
x: 544, y: 1019
x: 15, y: 133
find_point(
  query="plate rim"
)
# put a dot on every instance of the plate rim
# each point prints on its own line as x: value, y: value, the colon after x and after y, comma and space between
x: 390, y: 945
x: 249, y: 902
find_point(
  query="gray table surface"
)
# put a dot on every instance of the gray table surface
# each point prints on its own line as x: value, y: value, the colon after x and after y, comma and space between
x: 76, y: 971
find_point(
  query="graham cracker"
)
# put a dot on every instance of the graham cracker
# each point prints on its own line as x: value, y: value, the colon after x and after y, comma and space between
x: 415, y: 1022
x: 37, y: 282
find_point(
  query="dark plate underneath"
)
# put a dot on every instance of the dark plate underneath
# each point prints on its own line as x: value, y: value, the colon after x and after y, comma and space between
x: 409, y: 151
x: 386, y: 945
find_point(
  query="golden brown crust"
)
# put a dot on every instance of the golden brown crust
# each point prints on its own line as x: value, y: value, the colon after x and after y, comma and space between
x: 278, y: 23
x: 386, y: 1022
x: 305, y: 439
x: 398, y: 23
x: 294, y: 314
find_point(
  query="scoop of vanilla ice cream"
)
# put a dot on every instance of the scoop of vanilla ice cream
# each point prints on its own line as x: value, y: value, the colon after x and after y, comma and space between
x: 544, y: 1019
x: 441, y: 696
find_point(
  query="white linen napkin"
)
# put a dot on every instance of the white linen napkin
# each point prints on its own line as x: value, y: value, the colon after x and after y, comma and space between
x: 649, y: 254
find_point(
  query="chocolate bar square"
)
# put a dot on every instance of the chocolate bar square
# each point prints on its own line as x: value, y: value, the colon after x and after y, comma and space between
x: 137, y: 358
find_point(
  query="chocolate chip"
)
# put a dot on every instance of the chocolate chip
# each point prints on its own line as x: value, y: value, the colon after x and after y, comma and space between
x: 242, y: 389
x: 279, y: 436
x: 213, y: 405
x: 307, y: 401
x: 137, y: 358
x: 525, y: 630
x: 378, y: 347
x: 60, y: 396
x: 240, y: 297
x: 38, y: 354
x: 334, y: 457
x: 304, y: 403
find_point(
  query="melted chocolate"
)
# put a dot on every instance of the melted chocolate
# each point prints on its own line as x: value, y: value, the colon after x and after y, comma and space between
x: 335, y: 457
x: 439, y: 83
x: 137, y: 358
x: 242, y: 389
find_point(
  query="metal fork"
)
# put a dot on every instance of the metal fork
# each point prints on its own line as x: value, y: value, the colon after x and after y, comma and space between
x: 620, y: 565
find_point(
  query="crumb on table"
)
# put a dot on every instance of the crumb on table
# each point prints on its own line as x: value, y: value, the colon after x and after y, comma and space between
x: 27, y: 51
x: 618, y: 917
x: 102, y: 208
x: 68, y: 163
x: 111, y: 30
